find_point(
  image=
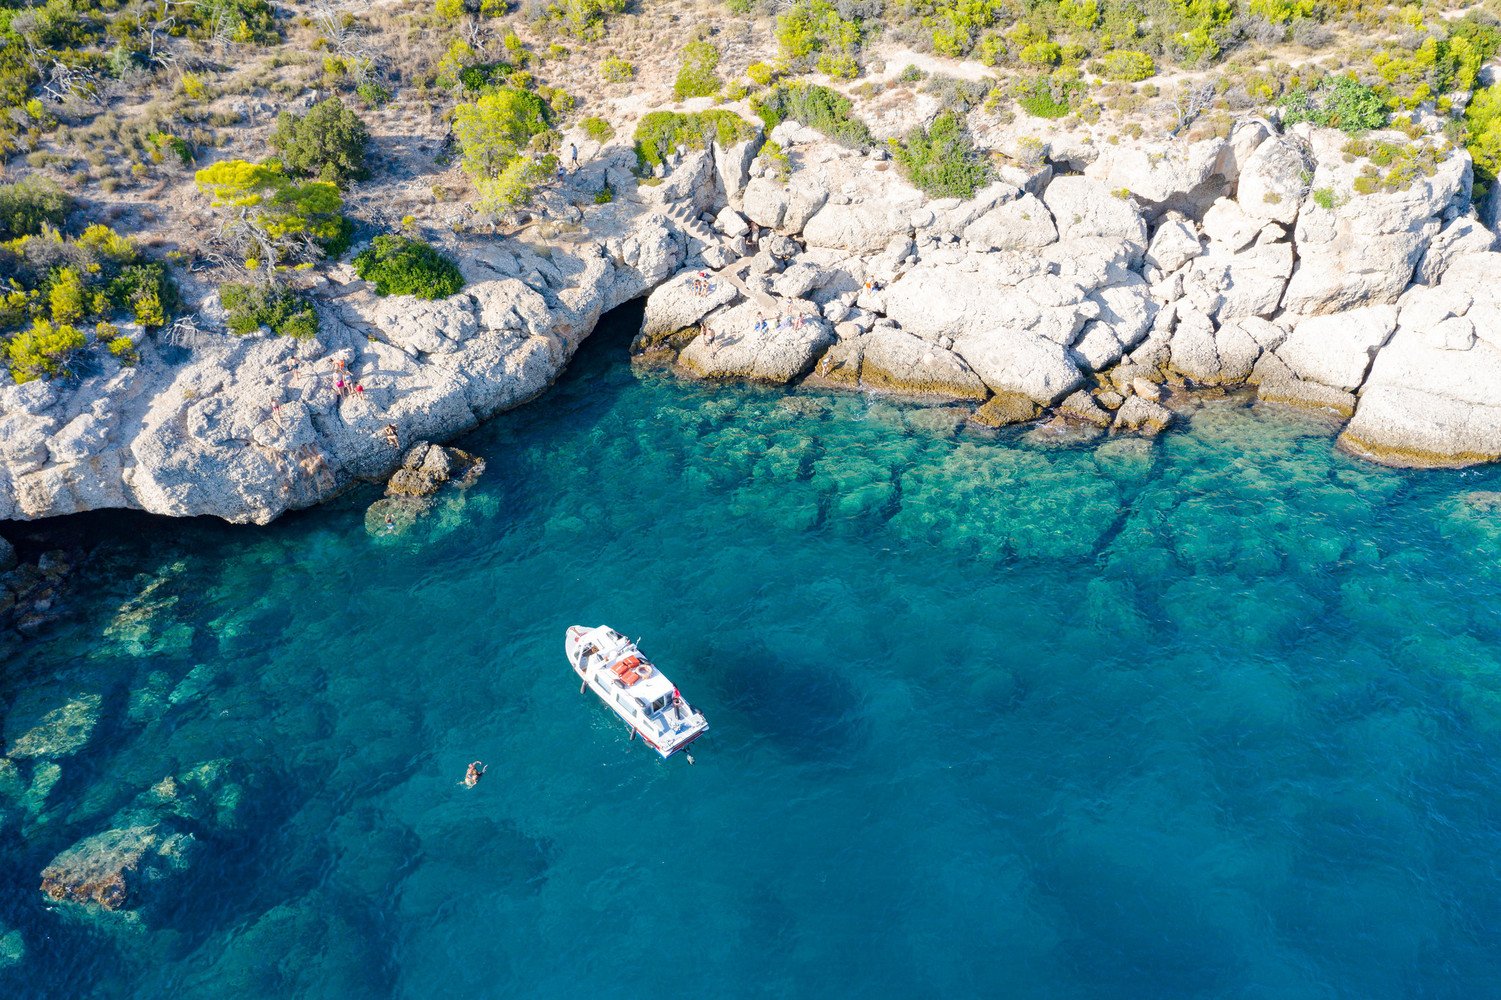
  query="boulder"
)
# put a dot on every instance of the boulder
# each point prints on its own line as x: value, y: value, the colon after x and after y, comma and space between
x: 1277, y: 383
x: 896, y: 361
x: 1167, y: 175
x: 731, y: 223
x: 1226, y: 224
x: 1194, y: 351
x: 1006, y: 408
x: 1009, y: 360
x: 1139, y: 415
x: 1098, y: 347
x: 1275, y: 180
x: 1237, y: 347
x: 1084, y: 207
x: 1336, y: 350
x: 1174, y: 243
x: 864, y: 227
x: 782, y: 352
x: 676, y: 304
x: 1020, y: 224
x: 426, y: 467
x: 1459, y: 238
x: 7, y: 556
x: 1083, y: 407
x: 1423, y: 405
x: 796, y: 281
x: 420, y: 327
x: 1365, y: 248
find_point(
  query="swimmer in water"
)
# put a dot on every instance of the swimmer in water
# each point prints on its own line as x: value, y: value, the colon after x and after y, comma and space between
x: 476, y: 771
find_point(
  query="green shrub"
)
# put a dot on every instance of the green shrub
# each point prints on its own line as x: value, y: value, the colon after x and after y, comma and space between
x: 43, y: 351
x: 479, y: 77
x: 1483, y: 119
x: 583, y: 19
x: 28, y: 204
x: 328, y: 142
x: 697, y: 77
x: 250, y: 307
x: 814, y: 33
x: 122, y: 348
x: 760, y: 74
x: 494, y: 133
x: 1324, y: 198
x: 604, y: 195
x: 597, y: 129
x: 1048, y: 96
x: 400, y: 265
x: 147, y: 291
x: 1041, y: 54
x: 1341, y: 102
x: 1129, y: 67
x: 614, y: 70
x: 820, y: 108
x: 940, y: 160
x: 373, y: 94
x: 658, y: 133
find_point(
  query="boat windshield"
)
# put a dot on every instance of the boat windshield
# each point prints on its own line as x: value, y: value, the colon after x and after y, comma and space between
x: 660, y: 704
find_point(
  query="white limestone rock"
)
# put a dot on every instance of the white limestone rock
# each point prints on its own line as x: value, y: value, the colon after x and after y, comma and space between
x: 1084, y: 207
x: 895, y: 361
x: 1014, y: 361
x: 1336, y: 350
x: 1424, y: 406
x: 1365, y: 249
x: 1194, y: 352
x: 1098, y: 347
x: 1023, y: 223
x: 859, y: 228
x: 1275, y: 180
x: 676, y: 305
x: 782, y: 352
x: 1174, y: 243
x: 1228, y: 225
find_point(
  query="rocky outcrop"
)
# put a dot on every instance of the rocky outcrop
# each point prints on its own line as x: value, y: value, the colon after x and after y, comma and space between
x: 1274, y: 260
x: 134, y: 864
x: 1433, y: 396
x: 246, y: 428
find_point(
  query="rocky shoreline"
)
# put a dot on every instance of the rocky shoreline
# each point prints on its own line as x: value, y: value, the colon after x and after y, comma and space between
x: 1088, y: 288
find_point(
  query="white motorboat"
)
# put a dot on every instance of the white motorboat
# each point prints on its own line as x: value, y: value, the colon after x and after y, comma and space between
x: 633, y: 688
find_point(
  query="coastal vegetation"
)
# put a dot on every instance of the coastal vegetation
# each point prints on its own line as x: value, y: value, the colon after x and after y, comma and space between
x: 328, y: 142
x: 817, y: 107
x: 65, y: 293
x: 940, y: 160
x: 400, y: 265
x: 660, y: 133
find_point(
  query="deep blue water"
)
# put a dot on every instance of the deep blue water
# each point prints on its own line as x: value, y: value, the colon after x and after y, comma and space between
x: 1218, y: 717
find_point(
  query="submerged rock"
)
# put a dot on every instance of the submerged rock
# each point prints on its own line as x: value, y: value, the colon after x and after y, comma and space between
x: 12, y: 948
x: 119, y: 868
x: 62, y: 732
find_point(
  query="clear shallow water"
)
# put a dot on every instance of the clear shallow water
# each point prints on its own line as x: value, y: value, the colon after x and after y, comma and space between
x: 1218, y: 718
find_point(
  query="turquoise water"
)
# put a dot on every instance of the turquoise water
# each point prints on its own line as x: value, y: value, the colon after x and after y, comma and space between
x: 1215, y: 718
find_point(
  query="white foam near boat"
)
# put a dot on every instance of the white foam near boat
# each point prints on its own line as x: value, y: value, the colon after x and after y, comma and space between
x: 633, y: 688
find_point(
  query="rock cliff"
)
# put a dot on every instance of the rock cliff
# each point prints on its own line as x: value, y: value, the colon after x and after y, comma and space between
x: 1250, y: 260
x: 1282, y: 262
